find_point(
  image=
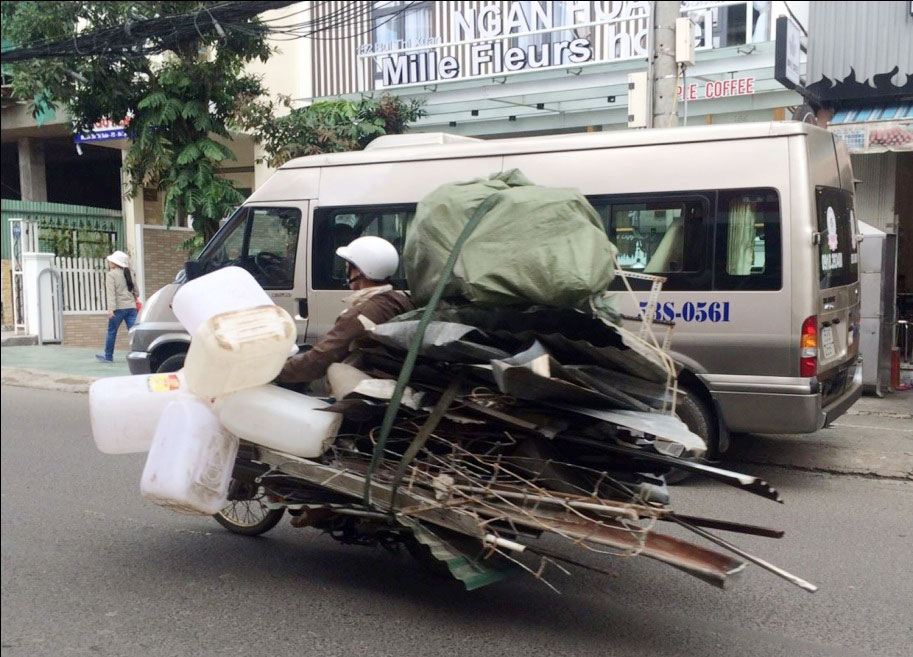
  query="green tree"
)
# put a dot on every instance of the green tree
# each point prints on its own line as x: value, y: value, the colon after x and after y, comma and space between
x: 180, y: 102
x: 328, y: 126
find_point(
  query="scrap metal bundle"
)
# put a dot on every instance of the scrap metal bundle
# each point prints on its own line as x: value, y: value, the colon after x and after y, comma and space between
x: 509, y: 430
x: 489, y: 421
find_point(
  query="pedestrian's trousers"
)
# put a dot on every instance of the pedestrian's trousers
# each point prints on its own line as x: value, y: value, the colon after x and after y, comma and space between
x: 127, y: 315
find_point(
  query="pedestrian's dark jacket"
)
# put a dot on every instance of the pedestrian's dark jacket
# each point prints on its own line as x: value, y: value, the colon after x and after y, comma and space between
x: 365, y: 309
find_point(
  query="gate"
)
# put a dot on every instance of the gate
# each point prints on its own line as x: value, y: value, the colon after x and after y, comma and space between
x: 83, y: 284
x: 23, y: 237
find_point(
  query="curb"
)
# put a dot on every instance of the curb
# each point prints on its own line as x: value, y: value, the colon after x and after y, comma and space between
x: 43, y: 380
x: 870, y: 472
x: 19, y: 341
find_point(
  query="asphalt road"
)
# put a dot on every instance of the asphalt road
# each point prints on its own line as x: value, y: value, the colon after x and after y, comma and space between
x: 89, y: 568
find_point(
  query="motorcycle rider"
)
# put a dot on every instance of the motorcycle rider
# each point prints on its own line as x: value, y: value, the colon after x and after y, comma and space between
x: 370, y: 263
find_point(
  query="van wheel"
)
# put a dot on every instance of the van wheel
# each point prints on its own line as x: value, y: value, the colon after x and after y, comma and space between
x: 696, y: 414
x: 171, y: 364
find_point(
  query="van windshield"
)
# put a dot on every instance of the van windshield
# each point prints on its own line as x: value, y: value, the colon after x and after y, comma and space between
x: 838, y: 259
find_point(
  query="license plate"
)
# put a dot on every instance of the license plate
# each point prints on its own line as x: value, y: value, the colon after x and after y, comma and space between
x: 828, y: 349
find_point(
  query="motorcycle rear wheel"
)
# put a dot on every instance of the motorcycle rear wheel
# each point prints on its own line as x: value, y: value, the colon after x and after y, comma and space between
x: 249, y: 517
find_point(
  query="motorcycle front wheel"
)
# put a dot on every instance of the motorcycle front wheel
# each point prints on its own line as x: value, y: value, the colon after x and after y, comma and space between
x: 249, y: 516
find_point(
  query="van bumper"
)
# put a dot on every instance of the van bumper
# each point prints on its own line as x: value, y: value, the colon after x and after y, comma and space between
x: 146, y: 338
x: 781, y: 404
x: 850, y: 396
x: 138, y: 362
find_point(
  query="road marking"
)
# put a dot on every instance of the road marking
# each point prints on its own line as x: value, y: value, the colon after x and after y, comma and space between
x: 868, y: 426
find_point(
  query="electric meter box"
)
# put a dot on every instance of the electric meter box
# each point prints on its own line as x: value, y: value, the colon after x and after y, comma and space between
x: 684, y: 42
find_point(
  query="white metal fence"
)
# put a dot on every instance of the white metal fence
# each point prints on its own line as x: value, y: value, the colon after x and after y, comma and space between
x: 83, y: 282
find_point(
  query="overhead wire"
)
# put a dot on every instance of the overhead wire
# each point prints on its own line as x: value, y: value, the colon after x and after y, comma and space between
x: 149, y: 36
x: 143, y: 37
x: 343, y: 17
x: 333, y: 20
x: 311, y: 6
x: 325, y: 28
x: 790, y: 11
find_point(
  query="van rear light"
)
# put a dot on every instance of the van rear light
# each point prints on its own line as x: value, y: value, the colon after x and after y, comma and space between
x: 808, y: 347
x: 852, y: 332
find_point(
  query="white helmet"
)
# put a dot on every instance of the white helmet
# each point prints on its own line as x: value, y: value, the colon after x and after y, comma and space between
x: 374, y: 256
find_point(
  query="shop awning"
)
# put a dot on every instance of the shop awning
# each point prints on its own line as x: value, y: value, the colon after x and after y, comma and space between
x: 875, y: 128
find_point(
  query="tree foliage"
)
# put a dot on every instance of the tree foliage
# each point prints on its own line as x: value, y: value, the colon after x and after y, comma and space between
x: 328, y: 126
x: 180, y: 103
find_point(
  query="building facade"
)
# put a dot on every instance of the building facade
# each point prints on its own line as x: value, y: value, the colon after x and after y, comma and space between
x: 497, y: 68
x: 860, y: 69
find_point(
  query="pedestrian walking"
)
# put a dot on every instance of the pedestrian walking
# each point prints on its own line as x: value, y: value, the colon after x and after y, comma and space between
x: 122, y: 302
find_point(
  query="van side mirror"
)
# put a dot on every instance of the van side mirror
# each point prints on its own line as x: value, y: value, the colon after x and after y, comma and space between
x: 194, y: 269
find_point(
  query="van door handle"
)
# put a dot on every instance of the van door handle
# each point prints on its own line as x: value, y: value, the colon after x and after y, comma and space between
x: 302, y: 308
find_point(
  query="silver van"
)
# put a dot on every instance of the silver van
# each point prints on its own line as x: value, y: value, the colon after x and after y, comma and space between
x: 752, y: 225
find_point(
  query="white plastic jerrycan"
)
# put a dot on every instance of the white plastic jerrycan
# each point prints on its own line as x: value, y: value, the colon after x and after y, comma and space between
x: 231, y: 288
x: 238, y: 349
x: 279, y: 419
x: 125, y: 409
x: 191, y: 460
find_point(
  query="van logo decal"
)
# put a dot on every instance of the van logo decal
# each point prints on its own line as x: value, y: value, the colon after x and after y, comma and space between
x: 832, y: 242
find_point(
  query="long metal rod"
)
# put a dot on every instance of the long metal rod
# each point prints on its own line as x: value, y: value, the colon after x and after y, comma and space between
x: 727, y: 526
x: 776, y: 570
x: 746, y: 482
x: 609, y: 510
x: 551, y: 554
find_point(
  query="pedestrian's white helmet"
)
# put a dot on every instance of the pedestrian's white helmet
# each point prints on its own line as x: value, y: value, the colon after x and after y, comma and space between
x: 374, y: 256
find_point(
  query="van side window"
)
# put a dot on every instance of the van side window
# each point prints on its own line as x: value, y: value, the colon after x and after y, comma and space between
x: 335, y: 227
x: 748, y: 254
x: 264, y: 241
x: 664, y: 235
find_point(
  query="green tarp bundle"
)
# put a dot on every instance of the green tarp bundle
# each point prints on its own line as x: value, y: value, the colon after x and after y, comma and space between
x: 535, y: 245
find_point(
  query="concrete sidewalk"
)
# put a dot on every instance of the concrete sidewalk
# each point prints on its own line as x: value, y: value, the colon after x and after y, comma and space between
x: 53, y: 367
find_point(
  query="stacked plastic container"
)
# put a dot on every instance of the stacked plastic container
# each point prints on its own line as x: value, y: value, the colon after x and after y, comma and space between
x: 190, y: 421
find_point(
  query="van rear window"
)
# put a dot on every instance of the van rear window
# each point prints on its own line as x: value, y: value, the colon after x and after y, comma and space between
x: 838, y: 260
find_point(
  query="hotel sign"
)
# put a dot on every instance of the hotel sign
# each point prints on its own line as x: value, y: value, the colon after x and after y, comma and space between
x: 490, y: 41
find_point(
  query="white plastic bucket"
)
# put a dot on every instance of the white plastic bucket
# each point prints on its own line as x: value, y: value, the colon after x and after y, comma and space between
x: 190, y: 461
x: 238, y: 349
x: 224, y: 290
x: 125, y: 409
x: 279, y: 419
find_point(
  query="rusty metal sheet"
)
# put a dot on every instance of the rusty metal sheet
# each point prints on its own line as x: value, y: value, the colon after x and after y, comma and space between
x: 712, y: 567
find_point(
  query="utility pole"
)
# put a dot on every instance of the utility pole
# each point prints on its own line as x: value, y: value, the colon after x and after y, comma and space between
x: 664, y: 66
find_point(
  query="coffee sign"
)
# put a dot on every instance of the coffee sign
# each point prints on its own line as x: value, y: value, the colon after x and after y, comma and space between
x: 716, y: 89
